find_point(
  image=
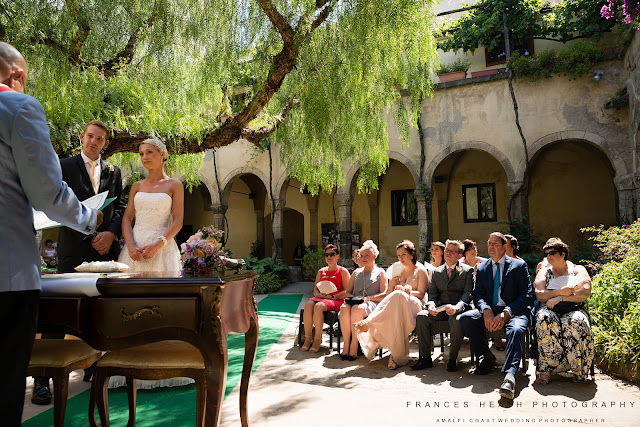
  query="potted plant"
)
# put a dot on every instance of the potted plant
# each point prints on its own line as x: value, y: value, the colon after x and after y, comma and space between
x: 455, y: 70
x: 485, y: 72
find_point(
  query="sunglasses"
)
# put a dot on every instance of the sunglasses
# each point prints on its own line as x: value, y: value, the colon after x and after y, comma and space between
x: 551, y: 252
x: 330, y: 254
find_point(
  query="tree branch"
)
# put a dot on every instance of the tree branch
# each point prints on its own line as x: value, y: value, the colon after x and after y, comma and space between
x: 322, y: 16
x: 125, y: 56
x: 81, y: 36
x: 255, y: 136
x: 278, y: 21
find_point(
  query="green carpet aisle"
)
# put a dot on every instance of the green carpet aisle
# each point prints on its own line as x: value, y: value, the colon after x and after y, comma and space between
x: 176, y: 406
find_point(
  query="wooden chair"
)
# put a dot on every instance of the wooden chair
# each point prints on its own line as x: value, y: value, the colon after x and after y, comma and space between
x: 56, y: 358
x: 330, y: 318
x: 440, y: 327
x: 157, y: 361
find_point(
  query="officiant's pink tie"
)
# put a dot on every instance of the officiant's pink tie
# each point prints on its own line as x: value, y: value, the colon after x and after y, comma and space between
x: 92, y: 175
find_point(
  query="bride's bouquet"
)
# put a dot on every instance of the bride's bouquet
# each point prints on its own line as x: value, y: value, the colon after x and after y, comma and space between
x: 203, y: 254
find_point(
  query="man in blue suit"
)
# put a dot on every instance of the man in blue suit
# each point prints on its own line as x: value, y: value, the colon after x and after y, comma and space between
x: 503, y: 296
x: 30, y: 176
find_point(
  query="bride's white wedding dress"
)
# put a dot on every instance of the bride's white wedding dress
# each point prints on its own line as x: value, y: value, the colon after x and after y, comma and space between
x: 153, y: 217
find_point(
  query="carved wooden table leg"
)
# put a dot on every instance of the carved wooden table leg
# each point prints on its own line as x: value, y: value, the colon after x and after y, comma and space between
x: 214, y: 352
x: 250, y: 347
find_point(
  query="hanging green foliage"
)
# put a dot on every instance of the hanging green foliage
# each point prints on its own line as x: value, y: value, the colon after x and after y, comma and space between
x: 319, y: 76
x: 564, y: 21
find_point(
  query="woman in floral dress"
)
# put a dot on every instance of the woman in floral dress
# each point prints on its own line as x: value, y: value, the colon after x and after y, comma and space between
x: 565, y: 341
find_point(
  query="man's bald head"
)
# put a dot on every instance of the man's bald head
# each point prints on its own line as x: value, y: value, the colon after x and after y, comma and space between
x: 13, y: 67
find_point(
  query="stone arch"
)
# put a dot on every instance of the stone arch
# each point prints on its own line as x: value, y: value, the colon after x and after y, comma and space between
x: 393, y: 155
x: 617, y: 162
x: 228, y: 180
x: 470, y: 145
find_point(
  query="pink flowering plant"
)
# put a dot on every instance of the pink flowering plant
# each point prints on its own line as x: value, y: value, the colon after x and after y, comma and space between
x: 628, y: 9
x: 203, y: 253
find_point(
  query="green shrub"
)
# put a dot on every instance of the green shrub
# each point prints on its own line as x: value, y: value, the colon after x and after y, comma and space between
x: 574, y: 62
x: 257, y: 249
x: 311, y: 263
x: 268, y: 283
x: 615, y: 297
x: 457, y: 65
x: 269, y: 271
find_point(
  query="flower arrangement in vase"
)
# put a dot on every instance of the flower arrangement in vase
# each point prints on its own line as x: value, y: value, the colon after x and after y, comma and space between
x: 203, y: 254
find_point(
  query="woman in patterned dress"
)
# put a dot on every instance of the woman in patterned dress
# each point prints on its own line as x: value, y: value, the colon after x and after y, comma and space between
x: 565, y: 341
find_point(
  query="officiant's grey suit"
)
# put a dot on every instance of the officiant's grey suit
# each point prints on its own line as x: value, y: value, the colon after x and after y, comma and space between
x: 30, y: 176
x: 443, y: 290
x: 73, y: 248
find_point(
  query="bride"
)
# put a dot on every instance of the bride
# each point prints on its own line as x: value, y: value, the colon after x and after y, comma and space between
x: 157, y: 202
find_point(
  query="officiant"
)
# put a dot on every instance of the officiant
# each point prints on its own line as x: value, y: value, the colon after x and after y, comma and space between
x: 87, y: 174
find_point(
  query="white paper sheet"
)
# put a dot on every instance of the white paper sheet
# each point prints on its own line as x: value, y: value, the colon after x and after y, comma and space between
x: 41, y: 221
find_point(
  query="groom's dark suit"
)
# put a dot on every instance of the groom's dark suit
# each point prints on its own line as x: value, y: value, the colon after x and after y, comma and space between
x: 73, y: 247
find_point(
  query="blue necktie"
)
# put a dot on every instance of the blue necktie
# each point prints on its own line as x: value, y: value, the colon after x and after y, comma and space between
x: 496, y: 286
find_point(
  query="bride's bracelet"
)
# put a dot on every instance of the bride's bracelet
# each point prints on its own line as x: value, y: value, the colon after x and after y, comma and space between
x: 164, y: 239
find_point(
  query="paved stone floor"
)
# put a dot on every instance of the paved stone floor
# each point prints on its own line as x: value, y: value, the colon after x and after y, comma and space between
x: 292, y: 388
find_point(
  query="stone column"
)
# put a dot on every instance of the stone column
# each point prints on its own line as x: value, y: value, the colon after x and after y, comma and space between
x: 259, y: 225
x: 374, y: 217
x: 520, y: 204
x: 628, y: 188
x: 219, y: 210
x: 344, y: 227
x: 423, y: 223
x: 312, y: 205
x: 278, y: 229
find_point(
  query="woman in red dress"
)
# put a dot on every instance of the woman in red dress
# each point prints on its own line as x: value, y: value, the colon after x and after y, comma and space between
x: 314, y: 308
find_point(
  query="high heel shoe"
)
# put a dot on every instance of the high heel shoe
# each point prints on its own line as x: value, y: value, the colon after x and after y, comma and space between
x: 307, y: 339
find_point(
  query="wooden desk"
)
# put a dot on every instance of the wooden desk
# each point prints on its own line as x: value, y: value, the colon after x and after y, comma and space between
x: 142, y: 310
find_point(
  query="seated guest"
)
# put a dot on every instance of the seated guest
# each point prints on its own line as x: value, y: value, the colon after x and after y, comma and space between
x: 544, y: 263
x: 565, y: 341
x: 450, y: 290
x: 49, y: 254
x: 512, y: 247
x: 314, y: 308
x: 437, y: 254
x: 393, y: 320
x: 470, y: 254
x: 369, y: 283
x: 355, y: 257
x: 503, y: 296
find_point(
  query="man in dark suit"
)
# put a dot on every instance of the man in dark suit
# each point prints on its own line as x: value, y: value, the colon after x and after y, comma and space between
x: 503, y: 296
x: 451, y: 287
x: 87, y: 175
x: 87, y: 180
x: 29, y: 178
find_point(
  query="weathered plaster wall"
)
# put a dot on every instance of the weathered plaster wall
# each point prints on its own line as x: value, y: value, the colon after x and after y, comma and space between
x: 397, y: 177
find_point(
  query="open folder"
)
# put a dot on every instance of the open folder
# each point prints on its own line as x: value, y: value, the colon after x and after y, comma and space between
x: 98, y: 202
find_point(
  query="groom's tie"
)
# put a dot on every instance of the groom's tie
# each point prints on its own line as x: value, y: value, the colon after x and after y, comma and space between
x: 92, y: 175
x: 496, y: 287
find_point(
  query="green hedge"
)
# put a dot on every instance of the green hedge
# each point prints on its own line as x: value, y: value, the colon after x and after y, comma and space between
x: 615, y: 298
x: 273, y: 276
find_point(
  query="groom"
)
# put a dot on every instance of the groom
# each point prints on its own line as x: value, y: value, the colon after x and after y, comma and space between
x: 87, y: 175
